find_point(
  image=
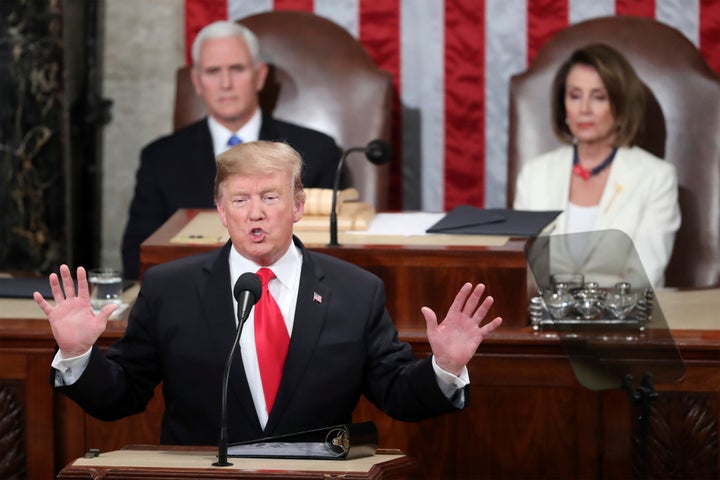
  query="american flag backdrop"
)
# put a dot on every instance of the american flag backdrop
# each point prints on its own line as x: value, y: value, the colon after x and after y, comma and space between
x: 452, y: 61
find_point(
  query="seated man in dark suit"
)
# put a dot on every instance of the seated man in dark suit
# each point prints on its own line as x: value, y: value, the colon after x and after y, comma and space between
x: 333, y: 341
x: 177, y: 171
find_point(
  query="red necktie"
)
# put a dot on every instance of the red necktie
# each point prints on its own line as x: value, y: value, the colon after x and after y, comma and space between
x: 271, y: 339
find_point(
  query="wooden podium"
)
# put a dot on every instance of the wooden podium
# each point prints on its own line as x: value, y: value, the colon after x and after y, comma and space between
x: 163, y: 462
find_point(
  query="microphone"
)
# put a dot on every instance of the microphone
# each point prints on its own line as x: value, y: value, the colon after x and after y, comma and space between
x: 378, y: 152
x: 247, y: 292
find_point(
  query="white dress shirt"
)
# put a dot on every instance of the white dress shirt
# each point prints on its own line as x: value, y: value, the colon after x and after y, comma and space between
x: 250, y: 132
x: 284, y: 289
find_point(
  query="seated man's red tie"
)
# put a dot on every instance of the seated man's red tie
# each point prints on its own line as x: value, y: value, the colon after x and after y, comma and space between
x: 271, y: 339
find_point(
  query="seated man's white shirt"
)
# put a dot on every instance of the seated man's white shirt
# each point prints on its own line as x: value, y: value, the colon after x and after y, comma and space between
x: 250, y: 132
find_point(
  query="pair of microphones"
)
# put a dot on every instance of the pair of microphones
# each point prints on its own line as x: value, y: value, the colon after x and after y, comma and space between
x: 248, y: 287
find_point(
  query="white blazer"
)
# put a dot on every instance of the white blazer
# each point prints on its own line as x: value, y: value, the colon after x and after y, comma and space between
x: 640, y: 199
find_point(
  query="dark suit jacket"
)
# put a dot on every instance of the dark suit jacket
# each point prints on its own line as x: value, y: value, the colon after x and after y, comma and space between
x: 178, y: 171
x: 181, y: 330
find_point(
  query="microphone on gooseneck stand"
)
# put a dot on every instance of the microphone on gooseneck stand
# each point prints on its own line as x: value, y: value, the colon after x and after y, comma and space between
x: 247, y: 292
x: 378, y: 152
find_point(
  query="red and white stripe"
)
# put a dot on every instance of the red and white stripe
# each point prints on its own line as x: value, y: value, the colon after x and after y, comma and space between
x: 452, y: 61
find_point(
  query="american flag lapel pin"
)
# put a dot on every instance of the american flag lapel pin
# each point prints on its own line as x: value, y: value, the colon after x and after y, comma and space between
x: 317, y: 298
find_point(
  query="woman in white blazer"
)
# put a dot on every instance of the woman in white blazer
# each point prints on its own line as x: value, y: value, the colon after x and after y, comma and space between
x: 601, y: 181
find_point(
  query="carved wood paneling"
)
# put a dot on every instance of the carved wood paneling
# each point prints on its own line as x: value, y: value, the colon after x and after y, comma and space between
x: 682, y: 437
x: 12, y: 433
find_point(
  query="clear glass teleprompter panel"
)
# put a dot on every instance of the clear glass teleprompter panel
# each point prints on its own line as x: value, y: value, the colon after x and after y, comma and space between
x: 593, y: 291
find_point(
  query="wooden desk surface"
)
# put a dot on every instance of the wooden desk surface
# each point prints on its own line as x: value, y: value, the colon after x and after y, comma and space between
x: 173, y: 240
x: 168, y: 462
x: 692, y: 316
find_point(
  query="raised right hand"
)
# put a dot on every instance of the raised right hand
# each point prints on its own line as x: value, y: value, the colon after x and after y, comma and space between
x: 74, y: 325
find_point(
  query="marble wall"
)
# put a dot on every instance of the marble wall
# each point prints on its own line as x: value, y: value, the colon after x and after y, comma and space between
x: 32, y: 227
x: 143, y: 45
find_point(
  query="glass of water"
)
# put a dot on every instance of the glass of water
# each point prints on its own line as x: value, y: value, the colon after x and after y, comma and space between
x: 105, y: 287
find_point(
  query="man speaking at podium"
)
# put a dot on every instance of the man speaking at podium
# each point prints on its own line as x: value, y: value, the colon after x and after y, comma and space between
x: 335, y: 340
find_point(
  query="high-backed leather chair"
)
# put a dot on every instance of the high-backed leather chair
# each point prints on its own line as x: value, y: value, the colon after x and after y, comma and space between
x: 322, y: 78
x: 682, y: 126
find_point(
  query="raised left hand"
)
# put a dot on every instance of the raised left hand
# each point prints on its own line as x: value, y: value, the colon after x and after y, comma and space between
x: 455, y: 340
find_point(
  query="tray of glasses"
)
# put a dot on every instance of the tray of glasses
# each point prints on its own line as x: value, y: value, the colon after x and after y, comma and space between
x: 589, y: 305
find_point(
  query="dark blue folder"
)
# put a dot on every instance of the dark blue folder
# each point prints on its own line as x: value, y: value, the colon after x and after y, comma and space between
x: 466, y: 219
x: 24, y: 287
